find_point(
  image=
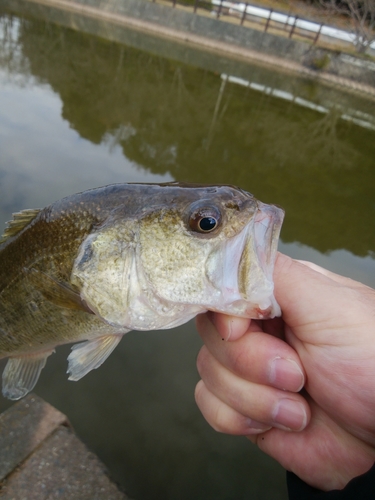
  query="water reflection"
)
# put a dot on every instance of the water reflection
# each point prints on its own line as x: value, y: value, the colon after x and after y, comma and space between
x: 192, y: 125
x: 43, y: 158
x: 77, y: 112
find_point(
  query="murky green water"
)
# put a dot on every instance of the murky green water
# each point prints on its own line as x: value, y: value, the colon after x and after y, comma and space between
x: 77, y: 112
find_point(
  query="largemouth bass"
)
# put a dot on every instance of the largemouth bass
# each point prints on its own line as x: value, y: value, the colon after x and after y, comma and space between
x: 97, y: 264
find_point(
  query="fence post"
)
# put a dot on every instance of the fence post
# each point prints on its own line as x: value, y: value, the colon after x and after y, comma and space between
x: 219, y: 9
x: 317, y: 34
x: 244, y: 14
x: 174, y: 3
x: 196, y: 6
x: 293, y: 27
x: 268, y: 20
x: 286, y: 24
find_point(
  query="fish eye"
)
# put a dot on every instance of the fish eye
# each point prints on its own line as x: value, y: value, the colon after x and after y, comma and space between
x: 205, y: 220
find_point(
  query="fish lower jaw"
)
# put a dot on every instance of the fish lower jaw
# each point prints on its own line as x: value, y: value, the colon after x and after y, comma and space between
x: 266, y: 308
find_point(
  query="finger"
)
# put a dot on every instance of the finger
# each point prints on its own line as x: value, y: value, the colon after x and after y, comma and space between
x: 222, y: 417
x: 305, y: 295
x: 325, y: 272
x: 229, y: 327
x: 334, y: 455
x: 256, y: 357
x: 285, y: 410
x: 316, y: 307
x: 232, y: 328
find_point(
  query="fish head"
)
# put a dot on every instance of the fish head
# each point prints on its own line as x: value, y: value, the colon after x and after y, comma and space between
x: 185, y: 250
x: 217, y: 251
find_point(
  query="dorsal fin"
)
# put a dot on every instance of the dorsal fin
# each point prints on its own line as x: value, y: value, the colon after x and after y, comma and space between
x: 20, y: 221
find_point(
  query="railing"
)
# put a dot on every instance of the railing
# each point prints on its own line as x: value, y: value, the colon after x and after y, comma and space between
x: 244, y: 11
x: 265, y: 19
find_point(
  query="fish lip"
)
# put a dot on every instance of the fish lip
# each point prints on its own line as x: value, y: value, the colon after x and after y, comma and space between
x: 255, y: 275
x: 267, y: 226
x: 245, y: 278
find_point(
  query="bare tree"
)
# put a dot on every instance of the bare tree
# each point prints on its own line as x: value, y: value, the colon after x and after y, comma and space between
x: 361, y: 16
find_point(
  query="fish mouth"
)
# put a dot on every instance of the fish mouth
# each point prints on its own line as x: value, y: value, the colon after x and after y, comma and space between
x: 257, y: 262
x: 241, y: 272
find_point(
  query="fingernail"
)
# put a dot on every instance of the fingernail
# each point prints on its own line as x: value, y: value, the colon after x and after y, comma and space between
x: 290, y: 415
x: 218, y: 324
x: 286, y: 374
x: 230, y: 329
x: 255, y: 427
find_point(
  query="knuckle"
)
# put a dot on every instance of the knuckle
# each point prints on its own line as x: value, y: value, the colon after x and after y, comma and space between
x: 198, y: 392
x: 203, y: 360
x: 241, y: 362
x: 220, y: 422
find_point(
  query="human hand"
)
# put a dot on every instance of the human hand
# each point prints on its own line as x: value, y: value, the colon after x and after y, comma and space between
x: 325, y: 342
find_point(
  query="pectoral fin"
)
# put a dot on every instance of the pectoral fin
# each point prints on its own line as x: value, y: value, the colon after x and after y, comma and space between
x: 58, y: 292
x: 91, y: 354
x: 21, y: 374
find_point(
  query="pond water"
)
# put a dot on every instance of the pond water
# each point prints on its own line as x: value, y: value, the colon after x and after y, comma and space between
x: 78, y: 111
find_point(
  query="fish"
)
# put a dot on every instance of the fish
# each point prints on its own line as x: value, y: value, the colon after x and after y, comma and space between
x: 95, y: 265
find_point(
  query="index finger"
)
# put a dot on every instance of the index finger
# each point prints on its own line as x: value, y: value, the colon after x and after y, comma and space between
x: 256, y: 356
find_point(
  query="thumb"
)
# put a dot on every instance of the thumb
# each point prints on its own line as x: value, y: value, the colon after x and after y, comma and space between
x: 306, y: 292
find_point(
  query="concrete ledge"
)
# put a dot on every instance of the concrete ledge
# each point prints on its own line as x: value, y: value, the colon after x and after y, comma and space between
x: 41, y: 457
x: 22, y: 428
